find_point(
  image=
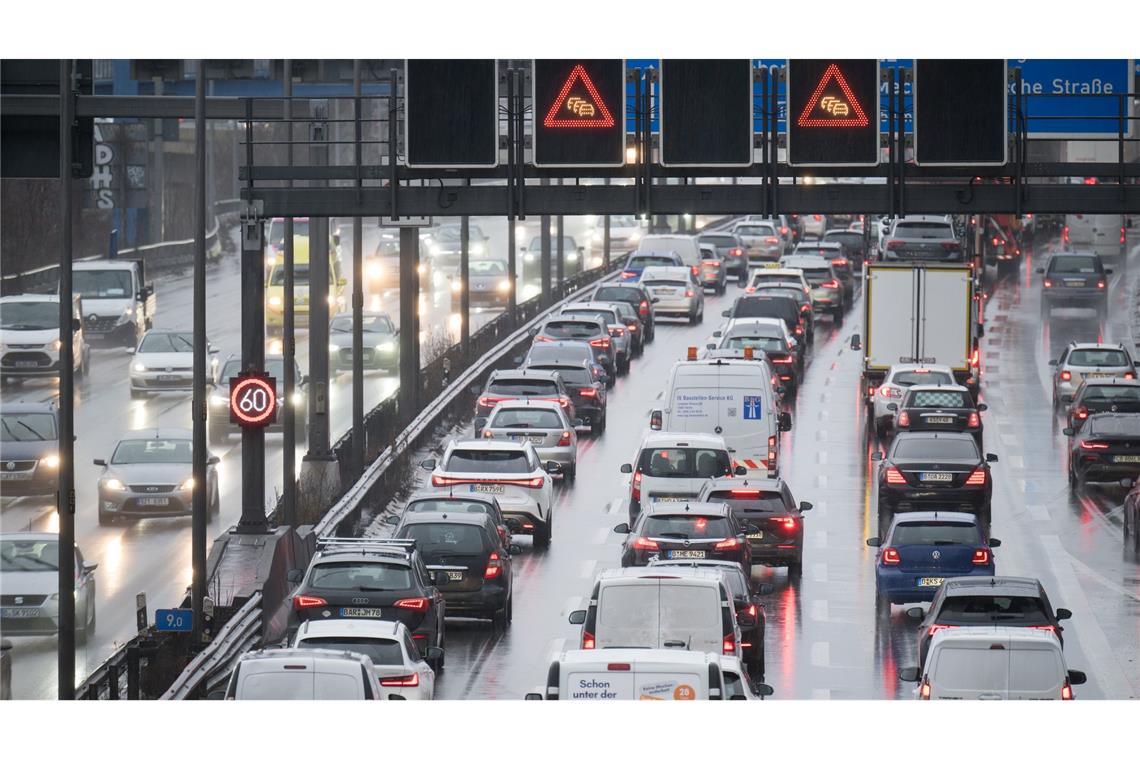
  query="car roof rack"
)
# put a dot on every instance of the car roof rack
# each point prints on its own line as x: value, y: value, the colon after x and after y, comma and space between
x: 399, y: 547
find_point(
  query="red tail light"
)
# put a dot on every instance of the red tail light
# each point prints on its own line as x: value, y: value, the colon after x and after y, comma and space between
x: 727, y: 544
x: 564, y: 439
x: 750, y: 289
x: 711, y: 263
x: 950, y: 245
x: 588, y: 392
x: 494, y: 568
x: 1048, y: 283
x: 635, y: 487
x: 1065, y: 234
x: 1129, y: 376
x: 628, y: 275
x: 646, y: 544
x: 831, y: 284
x: 490, y: 401
x: 643, y: 308
x: 1090, y: 445
x: 924, y: 690
x: 301, y: 602
x: 1067, y: 690
x: 799, y: 330
x: 1100, y: 284
x: 805, y: 308
x: 633, y: 328
x: 783, y: 230
x: 444, y: 480
x: 1066, y: 375
x: 981, y: 557
x: 895, y: 244
x: 600, y: 342
x: 787, y: 523
x: 588, y: 640
x: 887, y: 392
x: 735, y: 252
x: 771, y: 240
x: 417, y: 603
x: 784, y: 360
x: 975, y: 358
x: 729, y: 646
x: 891, y: 556
x: 974, y: 421
x: 488, y: 434
x: 817, y: 217
x: 1049, y: 628
x: 904, y: 419
x: 1121, y: 234
x: 1082, y: 413
x: 412, y: 680
x: 695, y: 270
x: 543, y: 339
x: 689, y: 294
x: 936, y: 627
x: 840, y: 262
x: 894, y: 477
x: 617, y: 331
x: 619, y: 666
x: 977, y: 477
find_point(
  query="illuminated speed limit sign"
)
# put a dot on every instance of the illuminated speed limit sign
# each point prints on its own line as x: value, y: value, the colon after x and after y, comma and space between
x: 253, y: 399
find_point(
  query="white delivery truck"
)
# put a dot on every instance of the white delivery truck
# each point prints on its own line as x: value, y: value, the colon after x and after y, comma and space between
x: 1102, y: 234
x: 732, y: 398
x: 642, y: 674
x: 918, y: 313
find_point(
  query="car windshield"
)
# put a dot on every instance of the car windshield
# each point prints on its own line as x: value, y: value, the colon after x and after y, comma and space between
x: 1096, y: 357
x: 360, y: 576
x: 487, y: 267
x: 101, y: 283
x: 450, y: 505
x: 152, y: 451
x: 619, y: 221
x: 490, y: 461
x: 380, y: 651
x: 686, y: 526
x: 629, y: 295
x: 1075, y: 265
x: 932, y: 533
x: 939, y: 400
x: 641, y: 262
x: 925, y: 230
x: 523, y: 387
x: 750, y: 500
x: 1110, y: 394
x: 569, y: 375
x: 907, y: 378
x: 784, y: 308
x: 665, y: 283
x: 277, y: 230
x: 572, y: 330
x: 751, y: 341
x: 29, y: 315
x: 377, y: 324
x: 274, y: 367
x: 684, y: 462
x: 445, y: 537
x: 935, y: 449
x: 27, y: 426
x: 720, y: 241
x: 522, y: 418
x: 448, y: 234
x: 155, y: 343
x: 28, y: 555
x: 993, y: 610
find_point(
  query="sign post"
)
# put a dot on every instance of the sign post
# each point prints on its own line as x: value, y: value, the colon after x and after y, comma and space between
x: 833, y: 112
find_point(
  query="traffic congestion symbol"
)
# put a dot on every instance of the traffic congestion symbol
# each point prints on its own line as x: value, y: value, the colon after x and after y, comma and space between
x: 583, y: 109
x: 831, y: 110
x: 253, y: 399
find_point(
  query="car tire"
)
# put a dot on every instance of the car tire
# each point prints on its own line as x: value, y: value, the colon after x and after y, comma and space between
x: 796, y: 567
x: 542, y: 536
x: 571, y: 473
x: 623, y: 367
x: 105, y: 518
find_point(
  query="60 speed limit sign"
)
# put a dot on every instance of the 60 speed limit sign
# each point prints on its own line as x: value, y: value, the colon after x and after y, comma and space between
x: 253, y: 399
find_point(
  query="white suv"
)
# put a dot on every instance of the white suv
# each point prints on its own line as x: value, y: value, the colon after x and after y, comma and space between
x: 400, y: 669
x: 510, y: 471
x: 898, y: 379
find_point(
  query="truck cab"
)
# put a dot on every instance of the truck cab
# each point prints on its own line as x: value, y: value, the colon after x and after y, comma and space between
x: 118, y: 302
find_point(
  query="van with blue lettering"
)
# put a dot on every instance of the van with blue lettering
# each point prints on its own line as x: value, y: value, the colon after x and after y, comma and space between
x: 735, y: 399
x: 655, y: 675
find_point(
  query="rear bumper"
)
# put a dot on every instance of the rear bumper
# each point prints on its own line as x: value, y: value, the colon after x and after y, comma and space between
x: 42, y: 482
x: 485, y: 600
x: 1101, y: 471
x: 674, y: 308
x: 1081, y: 296
x: 901, y: 586
x: 916, y: 499
x: 775, y: 554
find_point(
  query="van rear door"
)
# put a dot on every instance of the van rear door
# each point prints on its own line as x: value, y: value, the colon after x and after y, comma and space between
x: 689, y: 617
x: 746, y: 421
x: 969, y: 669
x: 1036, y: 671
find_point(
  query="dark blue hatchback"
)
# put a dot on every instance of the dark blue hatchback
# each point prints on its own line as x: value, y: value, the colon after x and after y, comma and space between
x: 922, y: 549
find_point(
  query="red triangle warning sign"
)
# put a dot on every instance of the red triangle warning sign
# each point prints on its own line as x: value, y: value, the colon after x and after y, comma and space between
x: 836, y: 106
x: 580, y: 106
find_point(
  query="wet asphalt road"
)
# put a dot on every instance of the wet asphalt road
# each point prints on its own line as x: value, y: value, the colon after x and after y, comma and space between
x: 824, y: 638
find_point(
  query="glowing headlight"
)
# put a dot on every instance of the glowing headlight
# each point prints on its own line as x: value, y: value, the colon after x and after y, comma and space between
x: 433, y: 249
x: 572, y: 256
x: 375, y: 269
x: 139, y: 367
x: 387, y: 347
x: 219, y: 401
x: 504, y: 286
x: 635, y: 236
x: 520, y: 230
x: 57, y: 344
x: 528, y: 257
x: 187, y: 485
x: 456, y: 286
x: 298, y: 398
x: 113, y: 484
x: 421, y: 269
x: 476, y: 249
x: 333, y: 349
x: 271, y: 260
x: 51, y: 461
x: 275, y: 301
x: 275, y: 346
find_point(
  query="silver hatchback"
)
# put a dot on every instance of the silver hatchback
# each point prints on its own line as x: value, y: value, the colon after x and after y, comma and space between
x: 543, y: 424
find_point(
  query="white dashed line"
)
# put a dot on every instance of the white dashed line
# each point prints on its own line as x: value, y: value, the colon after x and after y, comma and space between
x: 821, y: 654
x: 603, y: 535
x: 589, y: 568
x: 821, y: 693
x: 819, y: 572
x: 819, y: 611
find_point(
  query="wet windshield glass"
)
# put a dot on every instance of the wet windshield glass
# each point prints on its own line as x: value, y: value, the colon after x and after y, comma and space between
x: 36, y: 426
x: 543, y: 419
x: 1092, y: 357
x: 380, y: 651
x: 360, y: 576
x: 686, y: 526
x: 29, y: 315
x: 167, y: 343
x: 488, y: 461
x: 23, y: 555
x: 373, y: 324
x: 935, y: 449
x: 153, y: 451
x: 684, y: 463
x: 106, y: 283
x: 935, y: 534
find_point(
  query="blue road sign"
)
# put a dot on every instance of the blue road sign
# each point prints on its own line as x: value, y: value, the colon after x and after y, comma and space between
x: 176, y: 620
x: 631, y: 105
x: 753, y: 407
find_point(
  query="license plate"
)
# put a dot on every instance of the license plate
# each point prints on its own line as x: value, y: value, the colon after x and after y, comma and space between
x: 685, y: 554
x: 1126, y: 458
x: 15, y: 475
x: 26, y: 365
x: 16, y: 612
x: 756, y: 536
x: 665, y: 292
x: 168, y: 378
x: 668, y: 498
x: 455, y: 575
x: 361, y: 612
x: 936, y: 477
x: 930, y: 581
x: 529, y: 438
x: 154, y: 501
x: 940, y: 420
x: 495, y: 488
x: 1074, y: 283
x: 1096, y: 374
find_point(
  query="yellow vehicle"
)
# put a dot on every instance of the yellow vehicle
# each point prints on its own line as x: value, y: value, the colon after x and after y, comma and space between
x: 275, y: 287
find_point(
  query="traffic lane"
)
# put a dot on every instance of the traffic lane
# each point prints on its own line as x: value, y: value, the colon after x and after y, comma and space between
x: 549, y: 585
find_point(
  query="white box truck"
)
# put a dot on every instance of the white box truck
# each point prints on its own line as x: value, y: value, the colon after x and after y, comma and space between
x: 610, y: 675
x: 919, y: 312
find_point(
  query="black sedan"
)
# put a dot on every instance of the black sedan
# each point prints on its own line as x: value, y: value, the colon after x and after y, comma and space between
x: 1105, y: 394
x: 1106, y: 448
x: 939, y: 408
x: 924, y: 471
x: 767, y: 504
x: 685, y: 530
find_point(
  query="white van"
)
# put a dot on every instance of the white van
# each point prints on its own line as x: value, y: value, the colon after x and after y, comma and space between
x: 1102, y: 234
x: 994, y: 662
x: 684, y: 246
x: 302, y: 674
x: 732, y: 398
x: 674, y: 467
x: 642, y: 674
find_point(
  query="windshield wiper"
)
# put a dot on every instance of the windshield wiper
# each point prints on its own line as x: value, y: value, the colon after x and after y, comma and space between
x: 24, y: 425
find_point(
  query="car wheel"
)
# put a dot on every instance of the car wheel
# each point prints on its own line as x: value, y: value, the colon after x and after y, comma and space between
x: 500, y: 619
x: 106, y: 519
x: 542, y: 534
x: 796, y: 567
x: 1074, y: 481
x: 571, y: 473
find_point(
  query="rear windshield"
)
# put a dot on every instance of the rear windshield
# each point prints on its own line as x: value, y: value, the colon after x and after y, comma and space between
x: 571, y: 375
x: 1075, y: 265
x: 784, y: 308
x: 360, y: 576
x: 545, y: 419
x: 1097, y: 357
x: 684, y: 463
x: 434, y: 538
x: 817, y: 276
x: 37, y: 426
x: 524, y: 387
x: 629, y: 295
x: 749, y: 501
x: 450, y: 505
x: 686, y: 526
x: 1111, y: 393
x: 381, y: 651
x: 756, y: 230
x: 604, y: 314
x: 488, y: 461
x: 748, y: 341
x: 939, y: 400
x: 935, y: 534
x: 686, y: 613
x: 720, y: 241
x: 913, y: 377
x: 993, y: 610
x: 666, y: 283
x: 935, y: 448
x: 651, y: 261
x: 764, y: 279
x: 924, y: 230
x: 572, y: 330
x: 852, y: 239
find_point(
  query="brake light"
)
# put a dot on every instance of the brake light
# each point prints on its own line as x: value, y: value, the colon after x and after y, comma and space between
x: 301, y: 602
x: 412, y: 680
x: 751, y: 611
x: 1048, y: 283
x: 936, y: 627
x: 750, y: 289
x: 643, y: 308
x: 1121, y: 234
x: 924, y: 690
x: 488, y: 434
x: 974, y: 421
x: 799, y: 329
x: 805, y: 308
x: 588, y: 392
x: 995, y: 241
x: 1087, y: 445
x: 771, y: 240
x: 1065, y: 234
x: 490, y: 401
x: 975, y: 357
x: 787, y: 523
x: 695, y: 269
x: 1066, y: 375
x: 543, y: 339
x: 840, y: 262
x: 729, y: 646
x: 785, y: 360
x: 1082, y: 413
x: 619, y: 331
x: 564, y: 439
x: 735, y: 252
x: 904, y: 419
x: 894, y: 477
x: 587, y: 640
x: 1049, y: 628
x: 635, y: 487
x: 977, y: 477
x: 772, y: 453
x: 870, y: 390
x: 689, y: 294
x: 887, y: 391
x: 727, y: 544
x: 891, y: 556
x: 600, y: 342
x: 494, y: 569
x: 1067, y: 690
x: 646, y: 544
x: 981, y: 557
x: 444, y: 480
x: 619, y: 666
x: 1100, y: 284
x: 711, y: 263
x: 1129, y: 376
x: 895, y: 244
x: 831, y: 284
x: 628, y: 275
x: 417, y: 603
x: 633, y: 328
x: 817, y: 217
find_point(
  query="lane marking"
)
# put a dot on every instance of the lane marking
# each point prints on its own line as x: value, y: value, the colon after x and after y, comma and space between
x: 1008, y: 439
x: 588, y: 569
x: 821, y: 693
x: 821, y: 654
x: 819, y: 611
x: 819, y: 572
x: 821, y: 456
x: 821, y: 539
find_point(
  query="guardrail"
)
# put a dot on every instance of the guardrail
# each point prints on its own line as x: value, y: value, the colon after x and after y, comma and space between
x: 213, y: 663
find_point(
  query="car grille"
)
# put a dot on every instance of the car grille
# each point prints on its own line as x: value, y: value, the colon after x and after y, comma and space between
x: 152, y: 489
x: 179, y: 382
x: 18, y: 465
x: 25, y: 600
x: 15, y: 358
x: 100, y: 324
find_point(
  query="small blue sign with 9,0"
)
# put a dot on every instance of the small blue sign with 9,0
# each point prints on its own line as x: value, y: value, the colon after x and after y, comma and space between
x: 176, y: 620
x: 753, y: 407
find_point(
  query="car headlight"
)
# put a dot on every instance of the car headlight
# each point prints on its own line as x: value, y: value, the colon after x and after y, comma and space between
x: 528, y: 257
x: 51, y: 461
x: 124, y: 316
x: 476, y: 249
x: 456, y: 286
x: 187, y: 485
x: 113, y: 484
x: 387, y: 347
x: 433, y: 249
x: 298, y: 398
x: 634, y: 236
x: 333, y: 348
x: 275, y: 346
x: 572, y: 257
x: 138, y: 367
x: 375, y: 269
x: 504, y: 286
x: 57, y: 344
x: 275, y: 301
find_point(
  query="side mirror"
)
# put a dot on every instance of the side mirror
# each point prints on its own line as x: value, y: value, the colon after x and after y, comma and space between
x: 216, y: 694
x: 726, y: 312
x: 532, y: 696
x: 893, y: 406
x: 90, y: 567
x: 805, y: 506
x: 983, y: 407
x: 1063, y: 614
x: 622, y: 528
x: 856, y: 344
x: 428, y: 464
x: 910, y: 674
x: 130, y: 349
x: 994, y: 543
x: 991, y: 457
x: 739, y: 697
x: 577, y: 617
x: 1067, y: 398
x: 391, y: 520
x: 877, y: 456
x: 304, y: 380
x: 1069, y: 432
x: 336, y: 238
x: 515, y: 549
x: 785, y: 421
x: 710, y: 346
x: 480, y: 423
x: 762, y: 690
x: 655, y: 299
x: 1040, y: 270
x: 213, y: 459
x: 295, y: 575
x: 764, y: 589
x: 433, y: 654
x: 211, y: 350
x: 552, y: 467
x: 717, y: 334
x: 740, y: 470
x: 655, y: 419
x: 626, y: 468
x: 874, y: 541
x: 1126, y: 482
x: 1078, y: 677
x: 100, y: 462
x: 1052, y: 362
x: 76, y: 324
x: 1108, y: 270
x: 915, y: 613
